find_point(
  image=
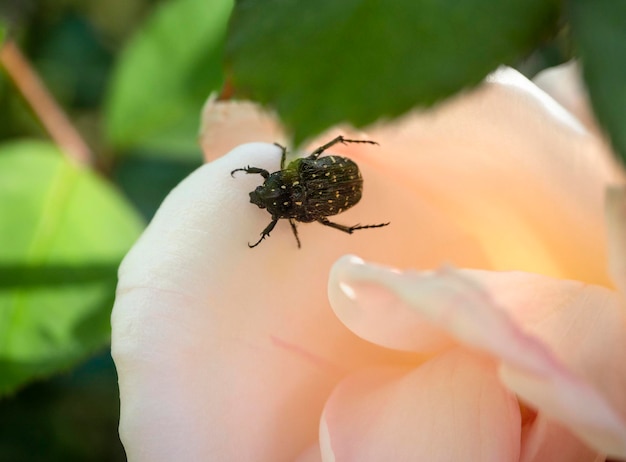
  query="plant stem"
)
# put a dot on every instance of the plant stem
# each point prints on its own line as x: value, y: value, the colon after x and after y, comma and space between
x: 43, y: 104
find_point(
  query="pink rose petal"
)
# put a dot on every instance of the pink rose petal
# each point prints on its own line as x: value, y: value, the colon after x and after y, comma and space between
x: 572, y: 402
x: 228, y: 124
x: 311, y: 454
x: 446, y: 300
x: 226, y: 352
x: 547, y: 441
x: 379, y: 315
x: 584, y: 326
x: 456, y: 303
x: 504, y: 165
x: 451, y: 408
x: 513, y: 169
x: 616, y: 224
x: 564, y: 83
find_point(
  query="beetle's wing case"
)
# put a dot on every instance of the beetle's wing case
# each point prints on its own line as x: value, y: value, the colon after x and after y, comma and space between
x: 333, y: 184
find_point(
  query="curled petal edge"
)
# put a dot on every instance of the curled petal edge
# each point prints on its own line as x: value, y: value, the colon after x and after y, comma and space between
x: 460, y: 306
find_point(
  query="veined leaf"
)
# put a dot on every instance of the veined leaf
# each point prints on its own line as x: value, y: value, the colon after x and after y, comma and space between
x: 325, y: 62
x: 64, y: 232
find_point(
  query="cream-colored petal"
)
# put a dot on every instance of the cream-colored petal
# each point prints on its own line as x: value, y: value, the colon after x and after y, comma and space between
x: 226, y: 352
x: 512, y: 168
x: 616, y: 228
x: 574, y: 403
x: 585, y: 328
x: 228, y: 124
x: 311, y: 454
x: 583, y: 325
x: 451, y: 408
x: 547, y: 441
x: 446, y: 299
x: 564, y: 83
x: 379, y: 315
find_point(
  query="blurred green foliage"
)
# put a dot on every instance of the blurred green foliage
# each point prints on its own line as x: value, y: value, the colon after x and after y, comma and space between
x: 599, y: 32
x: 132, y: 76
x: 371, y: 58
x: 150, y: 100
x: 68, y: 234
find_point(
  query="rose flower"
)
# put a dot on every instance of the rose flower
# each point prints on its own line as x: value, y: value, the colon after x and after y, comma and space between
x: 236, y: 354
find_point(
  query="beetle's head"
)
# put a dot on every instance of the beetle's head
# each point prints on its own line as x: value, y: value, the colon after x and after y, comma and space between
x: 264, y: 195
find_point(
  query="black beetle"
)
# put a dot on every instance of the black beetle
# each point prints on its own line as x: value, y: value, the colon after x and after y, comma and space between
x: 309, y: 189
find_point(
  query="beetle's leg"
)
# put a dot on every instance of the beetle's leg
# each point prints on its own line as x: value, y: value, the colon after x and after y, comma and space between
x: 340, y: 139
x: 348, y: 229
x: 295, y: 230
x: 283, y: 156
x: 264, y: 173
x: 266, y: 232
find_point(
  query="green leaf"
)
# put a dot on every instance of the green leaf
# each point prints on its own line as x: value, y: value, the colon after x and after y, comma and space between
x: 165, y: 74
x: 325, y: 62
x: 598, y: 29
x: 64, y: 232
